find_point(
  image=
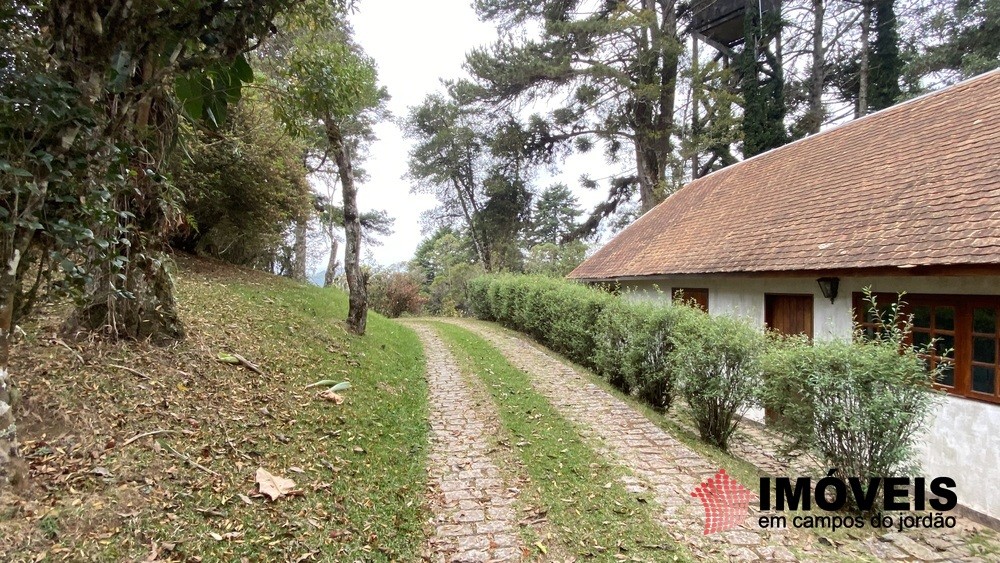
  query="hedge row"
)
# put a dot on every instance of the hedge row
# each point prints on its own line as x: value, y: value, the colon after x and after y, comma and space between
x: 858, y: 405
x: 653, y: 351
x: 558, y: 314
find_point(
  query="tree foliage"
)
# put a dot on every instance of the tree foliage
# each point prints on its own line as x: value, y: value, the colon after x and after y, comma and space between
x: 554, y: 215
x: 959, y: 39
x: 91, y: 95
x: 480, y: 172
x: 330, y: 93
x: 614, y: 63
x: 244, y: 188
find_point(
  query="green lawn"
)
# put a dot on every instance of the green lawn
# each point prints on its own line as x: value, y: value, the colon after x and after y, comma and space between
x: 359, y: 466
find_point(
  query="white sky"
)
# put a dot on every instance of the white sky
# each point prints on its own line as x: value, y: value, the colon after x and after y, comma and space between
x: 416, y: 44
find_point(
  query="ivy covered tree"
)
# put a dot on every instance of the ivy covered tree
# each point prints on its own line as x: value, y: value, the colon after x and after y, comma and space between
x: 885, y: 63
x: 91, y: 96
x: 762, y: 83
x: 140, y: 66
x: 51, y: 201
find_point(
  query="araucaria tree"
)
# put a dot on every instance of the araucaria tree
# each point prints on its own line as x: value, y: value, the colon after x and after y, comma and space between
x: 614, y: 63
x: 480, y: 169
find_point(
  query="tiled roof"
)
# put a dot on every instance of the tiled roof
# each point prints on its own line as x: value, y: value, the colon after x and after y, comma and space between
x: 917, y: 184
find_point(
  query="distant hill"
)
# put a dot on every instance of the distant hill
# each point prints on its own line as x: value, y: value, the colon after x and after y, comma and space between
x: 316, y: 278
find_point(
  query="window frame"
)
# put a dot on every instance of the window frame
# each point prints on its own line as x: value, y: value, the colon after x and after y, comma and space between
x: 697, y: 294
x: 963, y: 332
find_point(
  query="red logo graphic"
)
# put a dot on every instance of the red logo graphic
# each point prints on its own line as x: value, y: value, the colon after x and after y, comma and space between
x: 725, y: 502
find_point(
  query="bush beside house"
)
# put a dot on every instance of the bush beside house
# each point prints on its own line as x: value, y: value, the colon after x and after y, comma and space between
x: 716, y: 361
x: 858, y: 405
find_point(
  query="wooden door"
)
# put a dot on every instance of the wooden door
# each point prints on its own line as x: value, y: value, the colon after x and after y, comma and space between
x: 789, y: 314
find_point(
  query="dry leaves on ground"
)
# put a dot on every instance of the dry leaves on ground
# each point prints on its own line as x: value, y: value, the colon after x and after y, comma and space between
x: 273, y: 486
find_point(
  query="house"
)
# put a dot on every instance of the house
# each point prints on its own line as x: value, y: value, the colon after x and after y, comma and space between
x: 906, y: 199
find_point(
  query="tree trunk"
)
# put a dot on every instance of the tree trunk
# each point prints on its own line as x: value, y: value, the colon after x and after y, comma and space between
x: 331, y: 265
x: 299, y: 265
x: 817, y: 73
x: 357, y: 314
x: 695, y: 125
x: 863, y: 70
x: 143, y: 307
x: 11, y: 468
x: 653, y: 115
x: 482, y: 251
x: 8, y: 429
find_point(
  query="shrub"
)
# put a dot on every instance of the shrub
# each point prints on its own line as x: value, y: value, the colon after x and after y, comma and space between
x: 858, y: 405
x: 717, y: 365
x: 394, y: 293
x: 615, y: 330
x: 478, y: 291
x: 632, y: 345
x: 648, y: 369
x: 560, y: 314
x: 448, y: 294
x: 572, y: 313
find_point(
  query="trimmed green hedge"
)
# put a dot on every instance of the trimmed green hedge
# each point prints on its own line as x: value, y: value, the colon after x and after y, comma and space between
x: 559, y: 314
x: 626, y: 343
x: 720, y: 365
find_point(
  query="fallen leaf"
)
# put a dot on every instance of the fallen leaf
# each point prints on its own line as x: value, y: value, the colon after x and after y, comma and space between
x: 273, y: 486
x: 215, y: 536
x: 294, y: 469
x: 245, y: 499
x: 227, y: 359
x: 329, y: 395
x: 336, y: 386
x: 153, y: 555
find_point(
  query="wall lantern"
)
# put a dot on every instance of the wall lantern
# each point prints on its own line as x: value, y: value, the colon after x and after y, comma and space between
x: 829, y: 287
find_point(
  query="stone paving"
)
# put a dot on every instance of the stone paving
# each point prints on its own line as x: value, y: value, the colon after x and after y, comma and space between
x: 670, y: 470
x: 474, y: 517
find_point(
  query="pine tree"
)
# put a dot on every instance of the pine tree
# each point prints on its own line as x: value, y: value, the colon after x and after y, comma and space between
x: 554, y: 215
x: 616, y: 63
x: 886, y: 64
x: 762, y: 84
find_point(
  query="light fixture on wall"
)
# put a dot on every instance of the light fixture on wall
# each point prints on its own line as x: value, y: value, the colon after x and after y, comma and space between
x: 829, y: 287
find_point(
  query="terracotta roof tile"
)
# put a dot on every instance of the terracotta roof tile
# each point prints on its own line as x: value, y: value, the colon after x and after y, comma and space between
x: 917, y: 184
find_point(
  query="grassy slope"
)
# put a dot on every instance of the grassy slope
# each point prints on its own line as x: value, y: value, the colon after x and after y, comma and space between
x: 591, y: 514
x: 359, y: 465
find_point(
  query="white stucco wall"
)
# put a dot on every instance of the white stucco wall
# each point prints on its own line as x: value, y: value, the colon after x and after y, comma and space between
x: 963, y: 440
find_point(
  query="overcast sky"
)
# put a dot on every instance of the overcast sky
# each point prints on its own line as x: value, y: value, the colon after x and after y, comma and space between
x: 416, y: 44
